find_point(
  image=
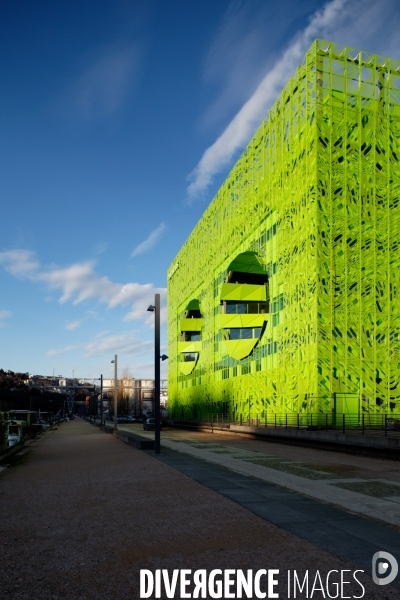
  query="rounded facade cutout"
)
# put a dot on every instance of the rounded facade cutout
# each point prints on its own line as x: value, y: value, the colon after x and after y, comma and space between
x: 244, y: 304
x: 189, y: 344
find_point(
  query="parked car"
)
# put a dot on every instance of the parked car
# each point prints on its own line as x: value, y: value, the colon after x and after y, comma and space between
x: 150, y: 424
x: 127, y: 419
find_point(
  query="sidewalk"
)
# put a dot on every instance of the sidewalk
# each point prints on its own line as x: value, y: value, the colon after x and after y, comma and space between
x: 82, y: 513
x: 363, y: 485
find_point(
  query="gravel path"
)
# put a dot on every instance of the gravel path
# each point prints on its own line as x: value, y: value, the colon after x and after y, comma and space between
x: 82, y: 513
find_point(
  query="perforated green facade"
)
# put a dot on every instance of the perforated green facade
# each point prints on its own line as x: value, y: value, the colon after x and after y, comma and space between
x: 313, y: 205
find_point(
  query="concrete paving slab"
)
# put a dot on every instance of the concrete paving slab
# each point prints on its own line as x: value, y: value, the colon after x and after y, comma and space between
x: 277, y: 513
x: 341, y: 533
x: 373, y: 534
x: 376, y: 508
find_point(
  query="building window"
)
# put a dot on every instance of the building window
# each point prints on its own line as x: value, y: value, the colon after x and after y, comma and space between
x: 243, y: 333
x: 190, y: 336
x: 189, y: 356
x: 230, y: 307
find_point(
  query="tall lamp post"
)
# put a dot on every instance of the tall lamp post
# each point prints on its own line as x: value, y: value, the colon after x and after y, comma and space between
x: 115, y: 361
x: 156, y: 310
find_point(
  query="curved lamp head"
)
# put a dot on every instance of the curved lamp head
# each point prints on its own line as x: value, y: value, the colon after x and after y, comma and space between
x: 151, y: 308
x: 163, y: 357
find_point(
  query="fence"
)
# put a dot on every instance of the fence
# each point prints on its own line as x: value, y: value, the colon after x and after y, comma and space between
x: 387, y: 423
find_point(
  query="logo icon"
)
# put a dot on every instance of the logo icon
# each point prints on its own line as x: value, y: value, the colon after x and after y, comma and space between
x: 384, y: 568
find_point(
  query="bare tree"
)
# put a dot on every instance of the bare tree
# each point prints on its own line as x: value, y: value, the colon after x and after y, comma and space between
x: 3, y: 431
x: 124, y: 391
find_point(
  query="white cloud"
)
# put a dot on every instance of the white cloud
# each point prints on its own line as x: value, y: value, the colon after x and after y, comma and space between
x: 126, y: 343
x: 73, y: 325
x: 54, y: 352
x: 243, y: 49
x: 20, y: 263
x: 149, y: 242
x: 359, y: 22
x: 4, y: 314
x: 79, y: 282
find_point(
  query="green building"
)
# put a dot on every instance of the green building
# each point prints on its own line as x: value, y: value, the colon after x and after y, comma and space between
x: 285, y: 298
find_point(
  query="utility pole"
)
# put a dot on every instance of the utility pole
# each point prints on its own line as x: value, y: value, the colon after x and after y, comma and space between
x: 156, y: 310
x: 157, y: 373
x: 101, y: 400
x: 115, y: 361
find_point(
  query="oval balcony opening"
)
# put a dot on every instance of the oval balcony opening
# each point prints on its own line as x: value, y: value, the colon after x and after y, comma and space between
x: 189, y: 344
x: 244, y: 304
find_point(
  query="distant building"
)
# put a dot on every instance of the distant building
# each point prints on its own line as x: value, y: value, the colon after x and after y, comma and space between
x: 138, y: 392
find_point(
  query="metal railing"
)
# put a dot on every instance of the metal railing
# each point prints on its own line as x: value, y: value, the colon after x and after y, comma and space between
x: 363, y: 424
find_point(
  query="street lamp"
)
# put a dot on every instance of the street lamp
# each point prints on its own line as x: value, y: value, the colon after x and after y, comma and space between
x: 156, y: 309
x: 115, y: 361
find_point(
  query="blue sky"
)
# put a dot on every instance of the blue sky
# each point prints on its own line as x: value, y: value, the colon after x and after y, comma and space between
x: 119, y: 122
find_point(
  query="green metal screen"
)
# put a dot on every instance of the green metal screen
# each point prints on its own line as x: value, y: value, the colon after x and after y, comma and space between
x: 295, y: 265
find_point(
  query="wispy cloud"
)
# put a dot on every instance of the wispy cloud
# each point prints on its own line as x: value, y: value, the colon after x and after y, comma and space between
x: 103, y: 86
x: 73, y: 325
x: 363, y: 23
x: 123, y: 343
x: 126, y: 343
x: 243, y: 49
x: 62, y: 350
x: 149, y: 242
x: 4, y: 314
x: 79, y: 282
x: 100, y: 248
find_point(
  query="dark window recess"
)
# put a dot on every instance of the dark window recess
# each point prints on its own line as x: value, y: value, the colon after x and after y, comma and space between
x: 392, y: 405
x: 190, y: 336
x: 189, y: 356
x: 230, y: 307
x: 244, y: 333
x: 249, y: 278
x: 379, y: 401
x: 193, y: 314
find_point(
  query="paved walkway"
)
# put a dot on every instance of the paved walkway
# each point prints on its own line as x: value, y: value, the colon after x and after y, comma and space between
x: 82, y: 512
x: 363, y: 485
